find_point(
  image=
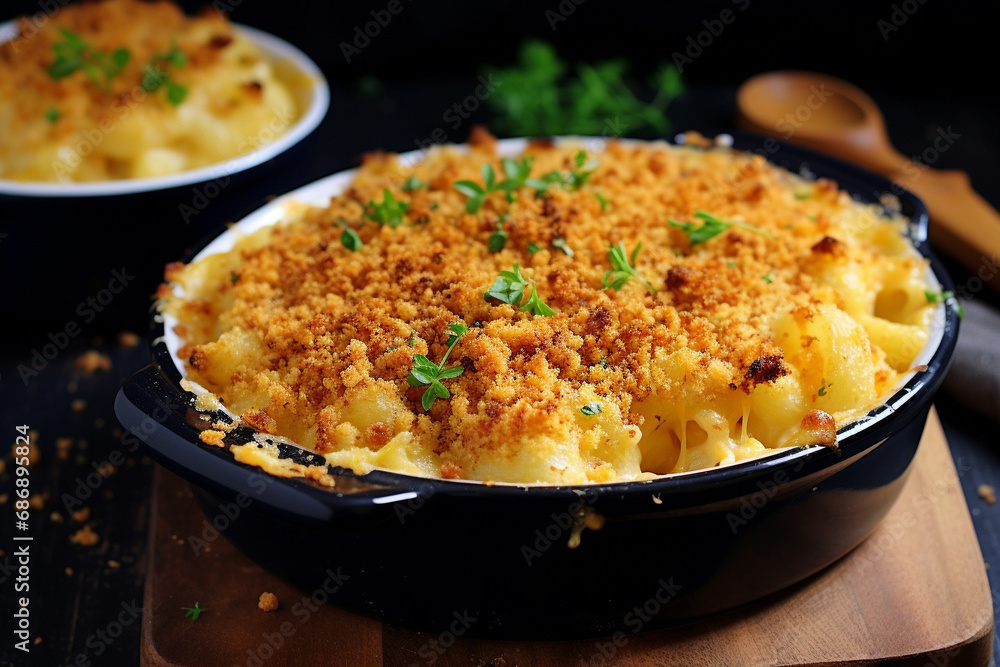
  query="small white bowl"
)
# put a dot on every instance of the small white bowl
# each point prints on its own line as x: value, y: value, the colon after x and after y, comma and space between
x: 315, y: 99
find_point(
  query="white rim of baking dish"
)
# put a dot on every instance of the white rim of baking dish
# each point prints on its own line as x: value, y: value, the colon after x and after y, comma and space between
x: 274, y: 48
x: 320, y: 192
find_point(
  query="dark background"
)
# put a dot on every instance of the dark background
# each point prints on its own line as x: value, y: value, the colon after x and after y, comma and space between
x: 936, y: 71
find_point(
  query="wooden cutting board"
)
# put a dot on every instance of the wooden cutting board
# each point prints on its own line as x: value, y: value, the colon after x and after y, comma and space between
x: 915, y: 593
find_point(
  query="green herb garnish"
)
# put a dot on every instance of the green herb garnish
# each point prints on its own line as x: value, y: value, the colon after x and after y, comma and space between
x: 592, y: 408
x: 155, y: 77
x: 543, y: 96
x: 413, y: 183
x: 822, y: 390
x: 73, y: 53
x: 193, y: 612
x: 510, y: 288
x: 533, y: 247
x: 712, y: 227
x: 623, y: 270
x: 602, y: 201
x: 233, y: 277
x: 767, y: 278
x: 425, y: 373
x: 351, y: 240
x: 949, y: 297
x: 52, y: 115
x: 498, y: 240
x: 388, y: 211
x: 561, y: 244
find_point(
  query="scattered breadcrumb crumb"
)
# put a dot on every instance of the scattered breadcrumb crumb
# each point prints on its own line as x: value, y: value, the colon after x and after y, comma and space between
x: 2, y: 553
x: 657, y: 499
x: 38, y: 640
x: 37, y: 501
x: 92, y: 361
x: 106, y: 469
x: 69, y: 572
x: 3, y: 466
x: 85, y: 537
x: 81, y: 515
x: 78, y: 405
x: 63, y: 445
x: 224, y: 426
x: 114, y: 565
x: 268, y: 601
x: 3, y: 498
x: 71, y: 387
x: 99, y: 422
x: 210, y: 437
x: 987, y: 493
x: 128, y: 339
x: 56, y: 517
x: 116, y: 433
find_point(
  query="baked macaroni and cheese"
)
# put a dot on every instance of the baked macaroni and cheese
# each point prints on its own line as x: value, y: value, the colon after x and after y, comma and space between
x: 125, y: 89
x: 558, y: 317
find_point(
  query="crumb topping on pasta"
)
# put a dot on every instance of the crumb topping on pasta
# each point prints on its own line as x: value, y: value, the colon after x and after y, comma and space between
x: 799, y: 314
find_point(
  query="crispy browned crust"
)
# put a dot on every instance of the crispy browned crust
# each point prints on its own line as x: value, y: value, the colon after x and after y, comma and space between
x: 327, y: 320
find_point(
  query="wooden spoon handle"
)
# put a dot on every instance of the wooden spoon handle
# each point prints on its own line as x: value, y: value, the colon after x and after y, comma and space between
x: 963, y: 224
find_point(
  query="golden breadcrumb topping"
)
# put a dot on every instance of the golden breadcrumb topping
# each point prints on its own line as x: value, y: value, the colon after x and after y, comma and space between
x: 767, y: 334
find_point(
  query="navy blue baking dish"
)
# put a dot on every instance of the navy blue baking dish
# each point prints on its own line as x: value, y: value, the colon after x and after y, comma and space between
x: 416, y: 552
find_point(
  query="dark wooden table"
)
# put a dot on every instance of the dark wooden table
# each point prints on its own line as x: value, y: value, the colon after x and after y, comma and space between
x: 85, y: 600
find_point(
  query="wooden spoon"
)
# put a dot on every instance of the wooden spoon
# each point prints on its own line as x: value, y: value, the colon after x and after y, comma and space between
x: 832, y: 116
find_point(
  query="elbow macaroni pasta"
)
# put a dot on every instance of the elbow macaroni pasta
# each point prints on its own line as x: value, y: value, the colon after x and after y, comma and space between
x: 771, y: 334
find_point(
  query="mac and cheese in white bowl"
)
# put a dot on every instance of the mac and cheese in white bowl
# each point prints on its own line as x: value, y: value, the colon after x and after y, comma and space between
x: 123, y: 97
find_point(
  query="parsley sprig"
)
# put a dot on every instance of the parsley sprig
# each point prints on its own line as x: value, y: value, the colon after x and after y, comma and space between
x: 543, y: 95
x: 946, y: 297
x: 510, y: 288
x: 193, y: 612
x: 623, y: 269
x: 575, y: 178
x: 413, y: 183
x: 425, y: 373
x: 156, y: 76
x: 388, y: 211
x: 73, y: 53
x: 712, y: 227
x: 517, y: 173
